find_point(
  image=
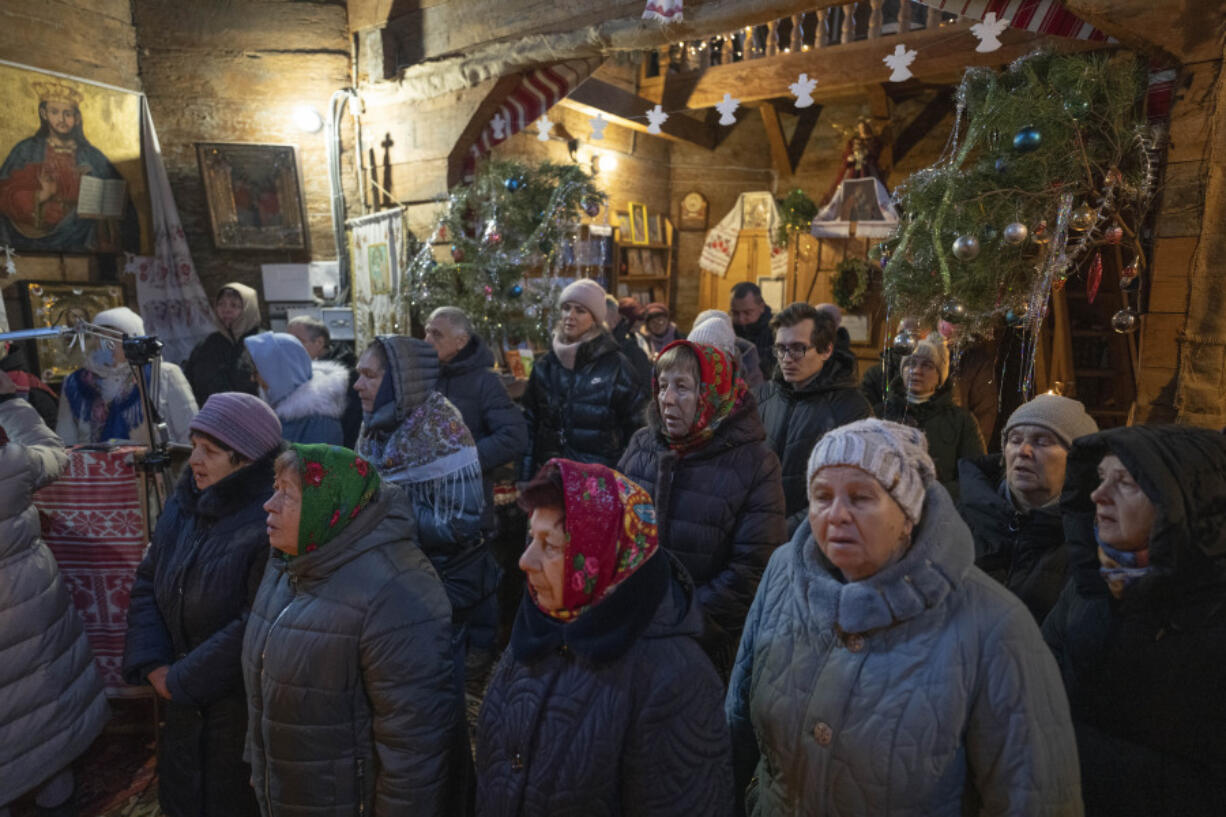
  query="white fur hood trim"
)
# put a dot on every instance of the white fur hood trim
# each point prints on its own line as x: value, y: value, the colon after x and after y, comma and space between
x: 323, y: 395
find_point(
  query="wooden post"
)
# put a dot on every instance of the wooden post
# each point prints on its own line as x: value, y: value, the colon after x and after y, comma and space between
x: 904, y: 16
x: 772, y: 38
x: 704, y: 54
x: 819, y: 33
x: 849, y: 23
x: 727, y: 53
x: 798, y: 33
x: 934, y: 18
x: 874, y: 18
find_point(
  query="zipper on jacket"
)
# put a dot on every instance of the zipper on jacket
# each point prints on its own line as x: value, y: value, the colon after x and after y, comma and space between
x: 361, y: 787
x: 293, y: 582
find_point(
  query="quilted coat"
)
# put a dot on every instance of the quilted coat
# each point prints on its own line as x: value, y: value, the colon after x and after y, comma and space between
x: 51, y: 701
x: 355, y: 707
x: 1145, y: 673
x: 497, y: 424
x: 796, y: 417
x: 1023, y: 550
x: 586, y: 414
x: 189, y: 610
x: 921, y: 690
x: 720, y: 513
x: 951, y: 430
x: 604, y: 724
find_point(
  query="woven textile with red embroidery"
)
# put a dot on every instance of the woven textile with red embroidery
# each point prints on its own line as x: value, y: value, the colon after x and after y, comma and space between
x: 610, y: 533
x: 720, y: 390
x: 336, y: 485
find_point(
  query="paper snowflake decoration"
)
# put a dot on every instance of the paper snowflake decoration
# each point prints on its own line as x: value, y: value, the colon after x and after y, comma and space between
x: 544, y: 126
x: 898, y: 62
x: 655, y: 118
x: 499, y: 124
x: 989, y: 31
x: 802, y: 89
x: 726, y: 107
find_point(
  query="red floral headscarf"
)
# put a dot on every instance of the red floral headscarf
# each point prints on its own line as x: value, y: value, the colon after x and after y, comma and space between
x: 336, y: 485
x: 610, y: 533
x: 720, y: 390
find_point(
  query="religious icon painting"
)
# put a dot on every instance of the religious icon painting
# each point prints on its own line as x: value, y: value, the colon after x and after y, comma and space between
x: 71, y: 180
x: 638, y: 223
x: 254, y: 195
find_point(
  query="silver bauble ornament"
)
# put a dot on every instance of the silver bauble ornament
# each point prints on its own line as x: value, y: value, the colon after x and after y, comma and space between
x: 1015, y: 233
x: 953, y: 311
x: 904, y: 342
x: 1124, y: 321
x: 1083, y: 217
x: 966, y: 248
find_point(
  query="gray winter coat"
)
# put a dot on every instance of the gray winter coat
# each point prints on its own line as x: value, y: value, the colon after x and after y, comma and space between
x: 901, y: 694
x: 51, y: 701
x: 353, y: 702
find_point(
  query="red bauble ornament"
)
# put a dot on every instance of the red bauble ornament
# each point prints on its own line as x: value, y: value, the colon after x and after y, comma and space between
x: 1094, y: 278
x: 495, y: 237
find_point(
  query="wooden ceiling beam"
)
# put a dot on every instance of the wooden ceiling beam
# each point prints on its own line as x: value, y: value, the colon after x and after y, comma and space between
x: 1182, y: 30
x: 881, y: 108
x: 628, y: 110
x: 844, y: 70
x: 780, y: 159
x: 480, y: 117
x: 928, y: 118
x: 806, y: 122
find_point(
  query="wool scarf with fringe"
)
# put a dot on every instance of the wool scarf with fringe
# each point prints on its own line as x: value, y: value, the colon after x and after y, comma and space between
x: 431, y: 455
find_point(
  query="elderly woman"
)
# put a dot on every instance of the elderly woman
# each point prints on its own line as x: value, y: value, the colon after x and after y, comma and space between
x: 584, y: 399
x: 101, y: 402
x: 880, y: 671
x: 923, y: 397
x: 309, y: 396
x: 716, y: 484
x: 1140, y: 631
x: 604, y: 704
x: 354, y: 706
x: 217, y: 363
x: 190, y: 603
x: 52, y: 704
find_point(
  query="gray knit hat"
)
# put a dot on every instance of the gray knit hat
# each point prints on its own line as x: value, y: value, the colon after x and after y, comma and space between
x: 714, y: 332
x: 242, y: 421
x: 1062, y: 416
x: 894, y: 454
x: 588, y: 294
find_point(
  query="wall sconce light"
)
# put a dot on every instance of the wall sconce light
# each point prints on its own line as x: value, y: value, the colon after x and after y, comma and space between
x: 307, y: 119
x: 603, y: 161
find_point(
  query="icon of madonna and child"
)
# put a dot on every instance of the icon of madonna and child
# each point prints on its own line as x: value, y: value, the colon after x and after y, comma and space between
x: 58, y: 192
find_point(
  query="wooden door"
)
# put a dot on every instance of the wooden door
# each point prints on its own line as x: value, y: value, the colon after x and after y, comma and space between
x: 750, y: 260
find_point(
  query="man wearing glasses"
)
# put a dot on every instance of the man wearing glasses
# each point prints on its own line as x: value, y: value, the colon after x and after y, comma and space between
x: 814, y: 389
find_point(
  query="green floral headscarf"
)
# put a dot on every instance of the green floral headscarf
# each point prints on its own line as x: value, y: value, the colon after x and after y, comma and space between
x: 336, y: 485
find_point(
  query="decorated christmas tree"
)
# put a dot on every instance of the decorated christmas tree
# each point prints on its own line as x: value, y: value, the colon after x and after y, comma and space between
x: 509, y: 233
x: 1049, y: 163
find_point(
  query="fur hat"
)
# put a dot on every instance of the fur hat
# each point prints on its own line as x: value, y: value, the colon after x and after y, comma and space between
x: 588, y: 294
x: 894, y: 454
x: 1062, y: 416
x: 934, y: 350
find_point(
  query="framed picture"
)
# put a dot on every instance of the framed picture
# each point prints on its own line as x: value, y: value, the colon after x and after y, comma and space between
x: 655, y: 229
x: 254, y: 195
x: 756, y: 211
x: 638, y: 223
x: 62, y: 304
x: 693, y: 212
x: 860, y: 201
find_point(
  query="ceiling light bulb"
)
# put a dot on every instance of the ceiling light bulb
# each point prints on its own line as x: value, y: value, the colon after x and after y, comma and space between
x: 307, y: 119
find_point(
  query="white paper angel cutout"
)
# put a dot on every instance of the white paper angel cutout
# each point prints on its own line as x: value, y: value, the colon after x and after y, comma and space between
x: 898, y: 62
x: 544, y: 126
x: 499, y: 124
x: 802, y: 89
x: 989, y: 32
x: 598, y: 123
x: 655, y: 118
x: 726, y: 107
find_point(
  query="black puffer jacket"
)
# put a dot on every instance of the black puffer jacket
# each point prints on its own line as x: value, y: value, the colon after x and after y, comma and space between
x: 497, y: 424
x: 1023, y: 550
x: 354, y: 702
x: 760, y: 335
x: 951, y: 430
x: 217, y: 364
x: 586, y: 414
x: 1145, y: 673
x: 720, y: 513
x: 189, y: 608
x: 796, y: 418
x: 629, y: 345
x: 591, y: 719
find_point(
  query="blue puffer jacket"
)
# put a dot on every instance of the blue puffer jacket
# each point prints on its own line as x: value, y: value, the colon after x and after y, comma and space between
x: 309, y: 396
x: 921, y: 690
x: 591, y: 719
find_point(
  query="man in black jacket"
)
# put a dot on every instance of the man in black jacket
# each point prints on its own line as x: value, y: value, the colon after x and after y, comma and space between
x: 1011, y: 501
x: 751, y: 320
x: 814, y: 389
x: 622, y: 330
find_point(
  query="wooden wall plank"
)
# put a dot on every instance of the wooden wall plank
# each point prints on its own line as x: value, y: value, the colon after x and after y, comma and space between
x: 70, y: 38
x: 1158, y: 334
x: 1183, y: 200
x: 1189, y: 123
x: 246, y: 26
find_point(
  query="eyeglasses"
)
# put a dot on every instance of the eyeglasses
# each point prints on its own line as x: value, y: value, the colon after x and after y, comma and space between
x: 791, y: 351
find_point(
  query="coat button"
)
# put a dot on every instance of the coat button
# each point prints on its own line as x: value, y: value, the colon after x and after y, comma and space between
x: 822, y: 733
x: 855, y: 643
x: 517, y: 762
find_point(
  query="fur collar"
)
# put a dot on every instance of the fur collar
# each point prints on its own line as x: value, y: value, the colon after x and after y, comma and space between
x: 323, y: 395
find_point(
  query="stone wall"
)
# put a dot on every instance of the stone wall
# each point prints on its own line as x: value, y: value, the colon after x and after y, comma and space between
x: 218, y: 71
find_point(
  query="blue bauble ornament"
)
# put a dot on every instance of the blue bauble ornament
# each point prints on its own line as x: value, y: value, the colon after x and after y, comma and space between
x: 514, y: 183
x: 1027, y: 139
x: 515, y: 291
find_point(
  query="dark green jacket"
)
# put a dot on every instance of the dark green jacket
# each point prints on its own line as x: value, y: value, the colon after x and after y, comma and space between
x: 951, y: 431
